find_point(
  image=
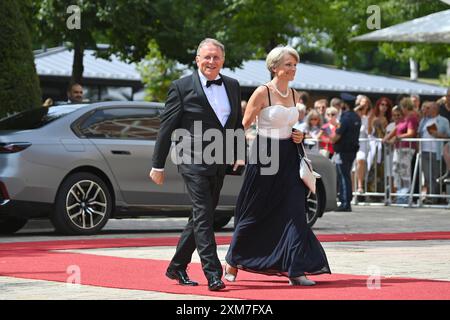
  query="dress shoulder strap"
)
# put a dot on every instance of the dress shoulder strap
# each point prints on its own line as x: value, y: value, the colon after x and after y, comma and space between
x: 268, y: 94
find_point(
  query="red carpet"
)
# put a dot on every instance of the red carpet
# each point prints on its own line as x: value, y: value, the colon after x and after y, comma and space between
x: 33, y: 260
x: 142, y: 274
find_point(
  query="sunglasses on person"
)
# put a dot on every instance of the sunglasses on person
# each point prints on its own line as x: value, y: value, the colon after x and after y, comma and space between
x: 331, y: 114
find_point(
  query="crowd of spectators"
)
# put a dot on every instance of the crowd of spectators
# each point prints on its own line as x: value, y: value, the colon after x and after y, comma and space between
x: 383, y: 149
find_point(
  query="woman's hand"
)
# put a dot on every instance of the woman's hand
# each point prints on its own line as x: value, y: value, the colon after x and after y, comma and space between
x: 297, y: 136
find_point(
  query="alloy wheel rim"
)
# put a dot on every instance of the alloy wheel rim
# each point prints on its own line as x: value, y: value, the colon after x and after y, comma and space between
x: 86, y: 204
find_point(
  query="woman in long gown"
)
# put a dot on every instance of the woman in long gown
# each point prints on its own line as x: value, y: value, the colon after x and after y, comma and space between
x: 271, y: 234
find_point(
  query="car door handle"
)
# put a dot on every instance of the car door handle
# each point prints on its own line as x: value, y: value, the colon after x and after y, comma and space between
x: 121, y: 152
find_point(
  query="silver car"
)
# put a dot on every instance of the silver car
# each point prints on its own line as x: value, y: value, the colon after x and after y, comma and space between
x: 80, y: 165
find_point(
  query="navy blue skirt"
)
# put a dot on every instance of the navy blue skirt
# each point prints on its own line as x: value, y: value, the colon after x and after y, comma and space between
x: 271, y: 234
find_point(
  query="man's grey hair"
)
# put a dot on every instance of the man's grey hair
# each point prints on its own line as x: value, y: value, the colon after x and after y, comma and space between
x: 275, y: 57
x: 213, y: 42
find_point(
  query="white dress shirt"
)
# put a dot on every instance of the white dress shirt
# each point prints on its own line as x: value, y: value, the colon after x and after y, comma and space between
x: 217, y: 98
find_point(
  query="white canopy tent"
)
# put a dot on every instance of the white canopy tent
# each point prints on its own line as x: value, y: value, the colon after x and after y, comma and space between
x: 433, y: 28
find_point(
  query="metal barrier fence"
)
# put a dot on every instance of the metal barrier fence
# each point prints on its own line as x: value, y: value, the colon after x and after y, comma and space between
x: 398, y: 174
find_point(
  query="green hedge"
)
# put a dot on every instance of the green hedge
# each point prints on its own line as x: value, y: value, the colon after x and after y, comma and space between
x: 19, y: 83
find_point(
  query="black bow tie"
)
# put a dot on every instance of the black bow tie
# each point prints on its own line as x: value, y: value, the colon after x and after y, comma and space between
x: 217, y: 82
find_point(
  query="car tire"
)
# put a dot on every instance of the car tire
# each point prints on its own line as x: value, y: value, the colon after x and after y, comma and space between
x: 83, y: 205
x: 221, y: 220
x: 10, y: 225
x: 315, y: 204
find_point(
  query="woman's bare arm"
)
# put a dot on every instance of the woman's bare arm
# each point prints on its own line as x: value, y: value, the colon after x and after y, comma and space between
x: 256, y: 102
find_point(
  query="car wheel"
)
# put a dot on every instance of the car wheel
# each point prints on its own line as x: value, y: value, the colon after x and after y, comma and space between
x: 315, y: 204
x: 83, y: 205
x: 221, y: 220
x: 10, y: 225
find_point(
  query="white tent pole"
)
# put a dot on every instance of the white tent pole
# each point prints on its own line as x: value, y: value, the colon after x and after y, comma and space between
x: 414, y: 69
x: 448, y: 68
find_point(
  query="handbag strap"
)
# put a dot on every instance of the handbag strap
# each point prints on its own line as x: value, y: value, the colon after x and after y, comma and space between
x: 304, y: 156
x: 299, y: 152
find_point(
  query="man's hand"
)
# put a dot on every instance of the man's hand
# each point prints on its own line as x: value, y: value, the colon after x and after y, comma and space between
x: 157, y: 176
x: 335, y: 138
x: 297, y: 136
x: 238, y: 163
x: 434, y: 133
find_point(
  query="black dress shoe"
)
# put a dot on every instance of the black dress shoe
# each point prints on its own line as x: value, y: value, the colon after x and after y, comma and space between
x: 343, y: 209
x: 181, y: 276
x: 215, y: 284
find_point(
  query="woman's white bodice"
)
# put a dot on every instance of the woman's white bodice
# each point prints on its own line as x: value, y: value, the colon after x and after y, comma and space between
x: 276, y: 121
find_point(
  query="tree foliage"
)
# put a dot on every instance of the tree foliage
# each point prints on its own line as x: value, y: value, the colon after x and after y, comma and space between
x: 19, y: 84
x: 248, y: 28
x: 157, y: 73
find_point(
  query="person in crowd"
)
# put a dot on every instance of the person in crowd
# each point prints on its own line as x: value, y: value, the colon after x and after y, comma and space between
x: 328, y: 132
x: 321, y: 106
x: 346, y: 145
x: 400, y: 97
x: 444, y: 106
x: 271, y: 235
x: 397, y: 116
x: 303, y: 97
x: 311, y: 128
x: 415, y: 98
x: 367, y: 111
x: 381, y: 118
x: 339, y: 105
x: 444, y: 110
x: 432, y: 126
x: 48, y: 103
x: 404, y: 151
x: 75, y: 93
x: 214, y: 100
x: 361, y: 155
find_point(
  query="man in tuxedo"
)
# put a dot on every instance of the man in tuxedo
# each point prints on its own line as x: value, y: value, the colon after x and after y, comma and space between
x: 214, y: 100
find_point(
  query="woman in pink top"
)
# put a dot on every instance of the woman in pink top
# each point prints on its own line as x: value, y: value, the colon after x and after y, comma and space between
x: 403, y: 151
x: 328, y: 131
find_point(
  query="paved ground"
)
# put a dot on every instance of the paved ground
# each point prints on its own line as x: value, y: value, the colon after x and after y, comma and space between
x: 415, y: 259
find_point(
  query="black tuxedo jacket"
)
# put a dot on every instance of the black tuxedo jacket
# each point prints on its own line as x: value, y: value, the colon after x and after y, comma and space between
x: 187, y: 103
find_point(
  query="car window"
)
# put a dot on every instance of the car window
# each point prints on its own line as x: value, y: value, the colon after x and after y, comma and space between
x: 122, y: 123
x: 35, y: 118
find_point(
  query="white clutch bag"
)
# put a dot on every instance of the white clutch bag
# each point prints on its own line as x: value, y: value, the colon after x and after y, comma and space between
x: 306, y: 171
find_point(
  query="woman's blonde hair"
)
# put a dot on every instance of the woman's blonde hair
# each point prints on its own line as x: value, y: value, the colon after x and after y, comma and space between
x: 332, y: 110
x: 407, y: 104
x: 275, y: 57
x: 313, y: 113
